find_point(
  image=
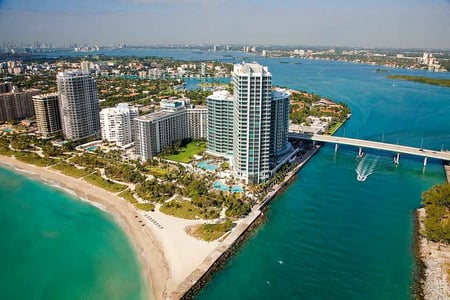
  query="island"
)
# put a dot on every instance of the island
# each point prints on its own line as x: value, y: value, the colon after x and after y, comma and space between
x: 422, y: 79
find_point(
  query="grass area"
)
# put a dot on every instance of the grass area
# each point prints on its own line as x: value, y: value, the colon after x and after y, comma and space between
x: 33, y: 158
x: 181, y: 209
x: 70, y: 170
x: 211, y: 232
x: 145, y: 206
x: 6, y: 152
x: 155, y: 171
x: 128, y: 195
x: 186, y: 153
x: 334, y: 128
x: 108, y: 185
x: 422, y: 79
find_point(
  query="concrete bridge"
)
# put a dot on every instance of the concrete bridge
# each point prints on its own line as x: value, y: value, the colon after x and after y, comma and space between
x: 337, y: 140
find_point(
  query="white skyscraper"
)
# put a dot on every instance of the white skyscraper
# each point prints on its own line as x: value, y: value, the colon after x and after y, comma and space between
x: 220, y: 123
x: 252, y: 122
x: 79, y: 106
x: 117, y: 123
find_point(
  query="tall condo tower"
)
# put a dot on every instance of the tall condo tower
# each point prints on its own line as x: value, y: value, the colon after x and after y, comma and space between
x: 252, y: 85
x: 48, y: 118
x: 279, y: 126
x: 79, y: 104
x: 220, y: 123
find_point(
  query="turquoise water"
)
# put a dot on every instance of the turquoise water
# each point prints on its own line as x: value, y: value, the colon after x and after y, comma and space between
x: 56, y: 247
x: 207, y: 165
x: 237, y: 189
x: 92, y: 148
x: 221, y: 186
x: 329, y: 236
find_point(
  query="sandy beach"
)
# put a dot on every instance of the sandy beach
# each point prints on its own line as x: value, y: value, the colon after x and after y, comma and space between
x: 167, y: 254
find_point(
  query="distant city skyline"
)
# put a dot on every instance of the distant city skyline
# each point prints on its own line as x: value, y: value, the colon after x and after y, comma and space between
x: 364, y: 23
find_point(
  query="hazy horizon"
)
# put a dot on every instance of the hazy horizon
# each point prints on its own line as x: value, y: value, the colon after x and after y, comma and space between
x: 351, y: 23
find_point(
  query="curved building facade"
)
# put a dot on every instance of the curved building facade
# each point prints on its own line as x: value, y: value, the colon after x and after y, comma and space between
x: 252, y: 85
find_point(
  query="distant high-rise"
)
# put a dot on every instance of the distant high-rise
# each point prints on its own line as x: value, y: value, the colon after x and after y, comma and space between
x: 117, y: 123
x: 14, y: 104
x: 79, y: 104
x: 220, y: 123
x: 252, y: 84
x: 5, y: 87
x: 48, y: 118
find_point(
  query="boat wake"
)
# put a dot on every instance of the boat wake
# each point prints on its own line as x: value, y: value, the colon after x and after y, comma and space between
x: 365, y: 168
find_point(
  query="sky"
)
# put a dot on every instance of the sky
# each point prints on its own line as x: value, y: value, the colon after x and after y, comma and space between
x: 353, y: 23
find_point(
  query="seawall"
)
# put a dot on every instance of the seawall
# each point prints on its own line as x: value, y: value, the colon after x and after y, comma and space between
x: 191, y: 286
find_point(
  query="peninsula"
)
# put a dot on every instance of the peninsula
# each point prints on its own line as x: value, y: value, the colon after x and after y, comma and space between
x: 422, y: 79
x: 181, y: 209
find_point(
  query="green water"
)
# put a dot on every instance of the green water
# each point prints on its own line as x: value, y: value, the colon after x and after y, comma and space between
x: 56, y: 247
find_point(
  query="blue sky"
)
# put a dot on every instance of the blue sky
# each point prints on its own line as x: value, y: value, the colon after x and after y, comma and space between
x: 370, y: 23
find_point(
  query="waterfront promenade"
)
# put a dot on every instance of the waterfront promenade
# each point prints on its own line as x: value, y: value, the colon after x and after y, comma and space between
x: 443, y: 155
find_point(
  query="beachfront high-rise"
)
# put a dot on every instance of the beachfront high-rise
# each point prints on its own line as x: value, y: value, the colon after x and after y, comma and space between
x: 48, y: 118
x: 157, y: 130
x: 15, y: 104
x: 220, y: 123
x: 79, y: 105
x: 117, y: 123
x: 279, y: 126
x: 252, y: 85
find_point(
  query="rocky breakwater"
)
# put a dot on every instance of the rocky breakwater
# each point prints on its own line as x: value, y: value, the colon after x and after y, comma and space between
x: 434, y: 259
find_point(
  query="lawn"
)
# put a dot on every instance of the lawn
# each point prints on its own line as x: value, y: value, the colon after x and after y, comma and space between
x: 145, y: 206
x: 128, y: 195
x: 211, y: 232
x: 108, y: 185
x: 33, y: 158
x: 155, y: 171
x: 70, y: 170
x: 185, y: 154
x: 181, y: 209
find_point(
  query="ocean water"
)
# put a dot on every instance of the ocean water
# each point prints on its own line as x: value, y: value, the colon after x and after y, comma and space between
x: 57, y: 247
x: 330, y: 236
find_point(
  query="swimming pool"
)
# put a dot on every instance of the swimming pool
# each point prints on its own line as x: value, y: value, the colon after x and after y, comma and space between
x: 206, y: 164
x: 221, y: 186
x: 226, y: 188
x: 237, y: 189
x: 92, y: 148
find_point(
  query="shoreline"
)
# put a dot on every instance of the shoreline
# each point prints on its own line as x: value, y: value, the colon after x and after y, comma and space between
x: 168, y: 272
x: 153, y: 265
x: 431, y: 280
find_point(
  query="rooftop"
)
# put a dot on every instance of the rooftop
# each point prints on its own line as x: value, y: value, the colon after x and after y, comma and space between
x: 222, y: 95
x: 160, y: 114
x: 250, y: 68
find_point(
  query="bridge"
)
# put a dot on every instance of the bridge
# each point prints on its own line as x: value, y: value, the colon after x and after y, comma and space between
x: 337, y: 140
